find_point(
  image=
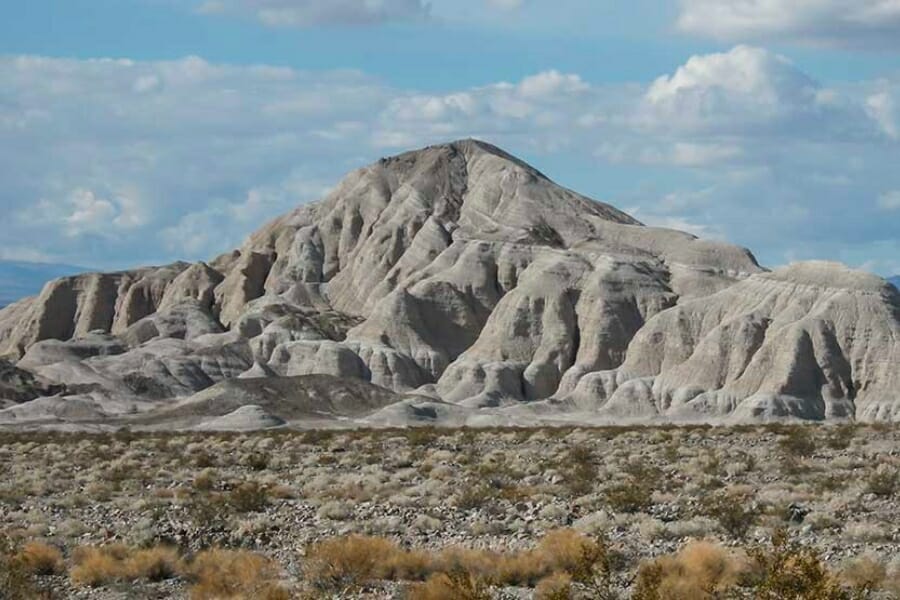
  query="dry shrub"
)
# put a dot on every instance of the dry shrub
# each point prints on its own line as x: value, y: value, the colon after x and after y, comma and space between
x: 883, y: 481
x: 788, y: 570
x: 250, y: 496
x: 15, y: 579
x: 554, y: 587
x: 41, y: 559
x: 864, y: 574
x: 234, y: 574
x: 349, y: 562
x: 410, y: 565
x: 451, y: 586
x: 891, y: 583
x: 96, y: 566
x: 700, y: 570
x: 480, y: 563
x: 154, y: 564
x: 563, y: 551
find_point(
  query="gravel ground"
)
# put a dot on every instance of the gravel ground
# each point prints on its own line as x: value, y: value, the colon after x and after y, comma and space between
x: 648, y: 491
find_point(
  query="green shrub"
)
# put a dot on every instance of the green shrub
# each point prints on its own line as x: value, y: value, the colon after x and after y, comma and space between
x: 629, y: 497
x: 798, y: 442
x: 249, y: 496
x: 736, y: 512
x: 883, y: 481
x: 787, y: 570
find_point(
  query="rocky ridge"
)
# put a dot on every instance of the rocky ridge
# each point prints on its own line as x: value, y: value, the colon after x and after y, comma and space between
x: 479, y: 292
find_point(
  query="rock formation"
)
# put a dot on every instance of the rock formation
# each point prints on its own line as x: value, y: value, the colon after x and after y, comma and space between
x: 465, y: 280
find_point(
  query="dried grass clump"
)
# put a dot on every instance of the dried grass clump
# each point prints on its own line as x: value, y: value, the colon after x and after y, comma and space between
x: 451, y: 586
x: 15, y: 579
x: 234, y: 574
x: 41, y: 559
x: 864, y: 574
x: 701, y: 570
x: 350, y: 562
x: 96, y: 566
x: 101, y: 565
x: 154, y: 564
x: 554, y: 587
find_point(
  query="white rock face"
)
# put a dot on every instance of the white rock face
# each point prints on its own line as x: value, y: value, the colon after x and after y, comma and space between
x: 464, y: 272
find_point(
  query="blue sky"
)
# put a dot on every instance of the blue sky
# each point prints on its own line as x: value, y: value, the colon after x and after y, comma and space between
x: 142, y: 131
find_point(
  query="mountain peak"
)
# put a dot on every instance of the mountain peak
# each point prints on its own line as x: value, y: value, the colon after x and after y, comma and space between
x: 463, y: 273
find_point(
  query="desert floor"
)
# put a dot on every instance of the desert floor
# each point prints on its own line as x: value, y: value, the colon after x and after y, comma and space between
x: 513, y: 513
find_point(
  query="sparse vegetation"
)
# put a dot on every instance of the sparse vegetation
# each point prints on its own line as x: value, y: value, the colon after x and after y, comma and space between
x: 249, y: 496
x: 798, y: 442
x: 884, y: 481
x: 735, y: 511
x: 312, y: 514
x: 699, y: 571
x: 788, y: 570
x: 233, y: 574
x: 41, y: 559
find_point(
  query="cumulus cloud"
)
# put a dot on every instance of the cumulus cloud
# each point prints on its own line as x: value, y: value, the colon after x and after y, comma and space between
x: 306, y: 13
x: 855, y: 23
x: 98, y: 153
x: 189, y: 156
x: 82, y: 212
x: 745, y: 90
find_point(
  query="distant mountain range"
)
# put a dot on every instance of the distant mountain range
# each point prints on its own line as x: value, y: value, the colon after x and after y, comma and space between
x: 21, y: 279
x: 895, y: 280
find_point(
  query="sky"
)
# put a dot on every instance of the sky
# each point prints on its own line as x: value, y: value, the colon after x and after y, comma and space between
x: 145, y: 131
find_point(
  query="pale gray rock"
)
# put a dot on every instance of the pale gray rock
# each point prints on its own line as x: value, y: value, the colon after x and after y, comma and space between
x: 187, y: 320
x: 320, y: 399
x: 249, y: 417
x: 18, y: 385
x: 462, y: 275
x: 198, y: 283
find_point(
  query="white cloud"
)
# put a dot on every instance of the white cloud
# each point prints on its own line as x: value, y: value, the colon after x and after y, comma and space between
x: 682, y: 154
x: 189, y: 156
x: 82, y: 212
x: 817, y: 22
x: 889, y: 200
x: 542, y: 105
x: 742, y: 90
x: 550, y: 83
x: 306, y: 13
x: 883, y: 110
x: 202, y: 232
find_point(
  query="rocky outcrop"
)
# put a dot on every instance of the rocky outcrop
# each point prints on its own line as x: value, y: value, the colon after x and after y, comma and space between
x: 18, y: 386
x: 461, y: 273
x: 811, y: 341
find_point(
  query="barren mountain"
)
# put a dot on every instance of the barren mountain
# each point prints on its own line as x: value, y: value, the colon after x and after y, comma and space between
x: 477, y: 291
